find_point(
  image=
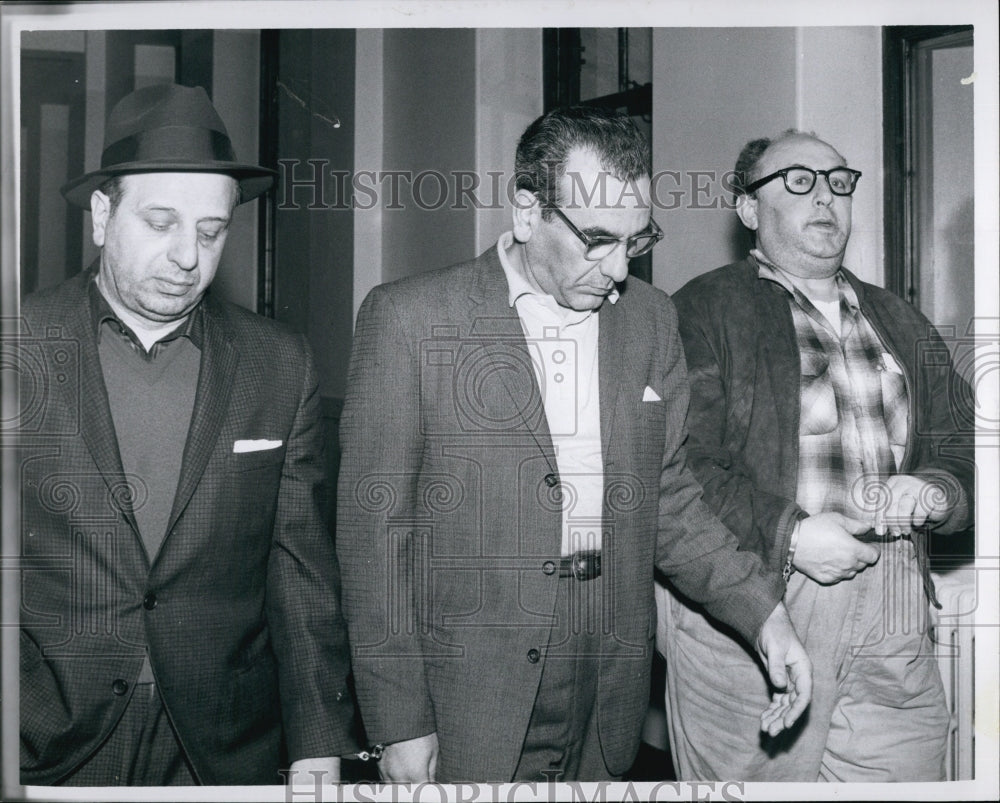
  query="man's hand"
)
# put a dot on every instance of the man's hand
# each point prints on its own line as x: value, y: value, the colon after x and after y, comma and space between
x: 788, y: 668
x: 914, y: 502
x: 307, y: 773
x: 827, y: 550
x: 412, y: 761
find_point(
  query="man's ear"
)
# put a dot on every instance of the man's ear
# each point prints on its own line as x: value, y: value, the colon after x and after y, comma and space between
x: 100, y: 211
x: 746, y: 208
x: 527, y: 215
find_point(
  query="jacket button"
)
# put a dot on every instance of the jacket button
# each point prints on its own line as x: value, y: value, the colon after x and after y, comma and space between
x: 119, y: 687
x: 548, y: 567
x: 533, y: 655
x: 149, y: 601
x: 551, y: 480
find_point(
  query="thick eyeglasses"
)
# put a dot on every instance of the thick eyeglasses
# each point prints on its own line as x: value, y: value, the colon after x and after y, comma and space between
x: 600, y: 246
x: 801, y: 180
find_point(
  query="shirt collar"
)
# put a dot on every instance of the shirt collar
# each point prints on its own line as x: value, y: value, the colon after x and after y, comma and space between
x: 771, y: 272
x: 517, y: 282
x: 101, y: 313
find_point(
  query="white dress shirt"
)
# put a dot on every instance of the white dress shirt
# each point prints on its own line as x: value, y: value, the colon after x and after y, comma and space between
x: 563, y: 344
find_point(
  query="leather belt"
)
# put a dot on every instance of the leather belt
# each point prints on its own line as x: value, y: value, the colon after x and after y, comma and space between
x: 583, y: 565
x: 919, y: 537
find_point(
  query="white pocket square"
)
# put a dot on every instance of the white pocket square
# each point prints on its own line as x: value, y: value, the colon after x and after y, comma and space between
x: 650, y: 395
x: 239, y: 447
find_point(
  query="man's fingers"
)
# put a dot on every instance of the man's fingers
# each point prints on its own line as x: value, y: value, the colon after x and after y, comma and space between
x: 880, y: 525
x: 800, y: 693
x: 773, y: 716
x: 777, y: 673
x: 856, y: 526
x: 799, y: 704
x: 869, y: 554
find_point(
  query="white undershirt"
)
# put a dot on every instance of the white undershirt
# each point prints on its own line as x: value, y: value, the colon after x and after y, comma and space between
x: 830, y: 310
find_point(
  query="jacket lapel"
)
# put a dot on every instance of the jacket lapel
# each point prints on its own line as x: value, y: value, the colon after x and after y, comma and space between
x: 219, y: 359
x: 612, y: 369
x: 778, y: 361
x: 96, y: 425
x: 491, y: 316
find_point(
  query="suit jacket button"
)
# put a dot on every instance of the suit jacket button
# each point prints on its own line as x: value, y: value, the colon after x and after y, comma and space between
x: 119, y: 687
x: 533, y: 655
x: 551, y: 480
x: 149, y: 601
x: 548, y: 567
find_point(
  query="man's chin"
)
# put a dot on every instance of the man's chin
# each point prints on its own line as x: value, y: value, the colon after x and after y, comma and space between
x: 167, y: 308
x: 585, y: 302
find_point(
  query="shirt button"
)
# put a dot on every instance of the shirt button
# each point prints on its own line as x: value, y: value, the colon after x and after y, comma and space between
x: 149, y: 601
x: 548, y: 567
x: 533, y: 655
x: 119, y: 687
x: 551, y: 480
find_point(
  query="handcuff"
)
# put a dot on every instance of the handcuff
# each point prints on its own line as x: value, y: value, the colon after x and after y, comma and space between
x: 373, y: 753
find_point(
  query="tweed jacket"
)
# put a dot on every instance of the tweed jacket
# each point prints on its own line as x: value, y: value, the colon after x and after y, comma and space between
x: 239, y: 608
x: 743, y: 364
x: 449, y: 517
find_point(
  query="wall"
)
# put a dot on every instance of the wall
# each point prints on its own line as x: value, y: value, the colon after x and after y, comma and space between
x: 508, y: 97
x: 447, y: 100
x: 314, y: 227
x: 839, y: 81
x: 236, y: 95
x: 715, y: 89
x: 428, y: 125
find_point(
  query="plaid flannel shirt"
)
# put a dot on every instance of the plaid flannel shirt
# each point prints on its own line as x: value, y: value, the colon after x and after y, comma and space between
x: 854, y: 406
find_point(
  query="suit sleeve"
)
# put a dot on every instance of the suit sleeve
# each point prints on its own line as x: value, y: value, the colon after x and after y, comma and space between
x: 763, y: 521
x: 303, y: 591
x: 381, y: 453
x: 695, y: 550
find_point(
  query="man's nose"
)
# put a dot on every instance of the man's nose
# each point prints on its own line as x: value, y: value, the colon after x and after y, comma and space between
x: 821, y: 191
x: 615, y: 264
x: 184, y: 249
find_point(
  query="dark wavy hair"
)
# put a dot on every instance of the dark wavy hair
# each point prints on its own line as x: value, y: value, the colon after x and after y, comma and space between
x: 541, y: 155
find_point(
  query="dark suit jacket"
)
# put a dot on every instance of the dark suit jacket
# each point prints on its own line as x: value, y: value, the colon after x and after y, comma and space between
x: 445, y: 521
x: 246, y: 631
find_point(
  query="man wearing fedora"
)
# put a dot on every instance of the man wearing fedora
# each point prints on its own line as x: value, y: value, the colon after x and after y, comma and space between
x: 180, y: 620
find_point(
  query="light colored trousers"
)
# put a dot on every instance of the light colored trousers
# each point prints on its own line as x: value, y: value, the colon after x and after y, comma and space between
x: 878, y: 709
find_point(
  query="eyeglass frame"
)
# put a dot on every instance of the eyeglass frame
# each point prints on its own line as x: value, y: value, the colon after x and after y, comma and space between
x: 591, y: 242
x: 855, y: 175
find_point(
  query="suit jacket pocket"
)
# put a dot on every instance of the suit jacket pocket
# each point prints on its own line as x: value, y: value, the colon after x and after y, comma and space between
x: 250, y: 461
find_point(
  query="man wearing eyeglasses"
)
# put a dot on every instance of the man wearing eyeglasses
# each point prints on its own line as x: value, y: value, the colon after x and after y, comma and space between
x: 512, y: 470
x: 825, y: 425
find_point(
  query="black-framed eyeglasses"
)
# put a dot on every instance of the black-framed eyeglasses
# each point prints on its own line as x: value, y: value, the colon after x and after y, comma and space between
x: 801, y: 180
x: 600, y: 246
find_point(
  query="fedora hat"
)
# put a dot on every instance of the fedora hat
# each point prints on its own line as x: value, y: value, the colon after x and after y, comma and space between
x: 167, y: 128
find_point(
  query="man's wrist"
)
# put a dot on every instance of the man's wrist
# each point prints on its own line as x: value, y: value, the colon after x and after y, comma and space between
x: 793, y: 542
